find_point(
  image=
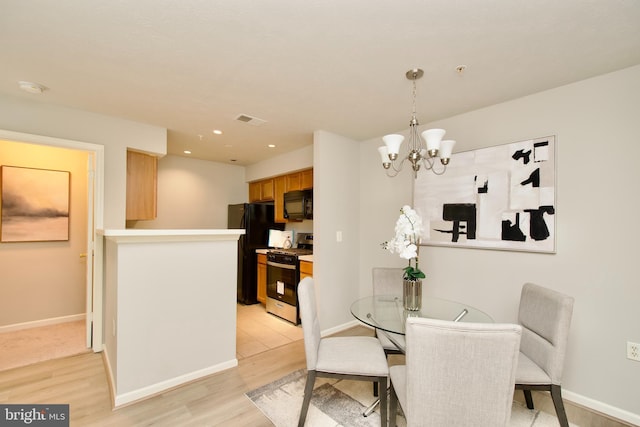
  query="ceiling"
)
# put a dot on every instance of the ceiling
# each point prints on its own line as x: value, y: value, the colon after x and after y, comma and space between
x: 192, y: 66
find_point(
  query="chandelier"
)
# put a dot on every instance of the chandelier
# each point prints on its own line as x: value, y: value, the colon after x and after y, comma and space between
x: 420, y: 153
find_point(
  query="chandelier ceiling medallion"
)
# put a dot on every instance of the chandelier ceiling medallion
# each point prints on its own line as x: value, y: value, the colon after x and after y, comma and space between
x: 420, y: 153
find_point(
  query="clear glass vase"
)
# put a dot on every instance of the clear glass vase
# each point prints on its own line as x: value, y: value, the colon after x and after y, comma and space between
x: 412, y: 294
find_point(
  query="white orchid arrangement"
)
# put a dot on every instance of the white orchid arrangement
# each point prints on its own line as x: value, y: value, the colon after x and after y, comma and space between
x: 405, y: 243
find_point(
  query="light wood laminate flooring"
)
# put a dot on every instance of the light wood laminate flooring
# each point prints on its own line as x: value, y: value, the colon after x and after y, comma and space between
x: 216, y: 400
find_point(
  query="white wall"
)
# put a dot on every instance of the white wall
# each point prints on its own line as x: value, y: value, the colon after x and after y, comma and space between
x: 336, y: 209
x: 18, y: 114
x: 597, y: 127
x: 170, y: 309
x: 280, y: 165
x: 195, y: 193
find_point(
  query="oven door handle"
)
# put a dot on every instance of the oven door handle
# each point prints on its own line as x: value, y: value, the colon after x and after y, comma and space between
x: 279, y: 265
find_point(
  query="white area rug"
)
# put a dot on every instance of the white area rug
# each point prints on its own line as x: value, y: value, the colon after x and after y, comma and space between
x: 341, y: 403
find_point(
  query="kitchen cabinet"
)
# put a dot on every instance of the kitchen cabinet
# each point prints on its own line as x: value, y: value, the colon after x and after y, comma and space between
x: 261, y: 191
x: 302, y: 180
x: 273, y: 189
x: 279, y: 184
x: 142, y: 186
x: 254, y: 192
x: 306, y: 179
x: 306, y: 269
x: 262, y: 279
x: 293, y: 182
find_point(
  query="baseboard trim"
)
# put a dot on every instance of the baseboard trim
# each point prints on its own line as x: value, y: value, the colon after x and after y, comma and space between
x: 110, y: 379
x: 42, y: 322
x: 603, y: 408
x: 134, y: 396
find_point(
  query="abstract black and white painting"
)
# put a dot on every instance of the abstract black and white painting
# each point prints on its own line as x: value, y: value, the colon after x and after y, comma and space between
x: 500, y: 197
x: 35, y: 205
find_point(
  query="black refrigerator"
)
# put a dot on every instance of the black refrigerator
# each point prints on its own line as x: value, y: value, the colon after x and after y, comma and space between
x: 255, y: 219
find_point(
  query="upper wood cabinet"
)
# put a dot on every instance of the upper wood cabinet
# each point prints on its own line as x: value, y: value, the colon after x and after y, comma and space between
x: 273, y: 189
x: 142, y: 186
x: 279, y: 184
x: 266, y: 189
x: 306, y: 179
x: 261, y: 191
x: 302, y: 180
x: 254, y: 192
x: 293, y: 181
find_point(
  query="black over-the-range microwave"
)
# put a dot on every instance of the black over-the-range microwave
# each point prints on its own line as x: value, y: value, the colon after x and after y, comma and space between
x: 298, y: 205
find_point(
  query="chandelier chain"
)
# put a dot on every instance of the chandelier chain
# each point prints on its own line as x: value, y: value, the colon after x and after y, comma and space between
x: 415, y: 92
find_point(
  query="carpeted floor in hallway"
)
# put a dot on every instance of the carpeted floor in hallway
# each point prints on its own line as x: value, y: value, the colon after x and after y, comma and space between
x: 28, y: 346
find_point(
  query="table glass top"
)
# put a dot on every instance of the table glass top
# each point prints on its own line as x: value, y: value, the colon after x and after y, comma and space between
x: 387, y: 313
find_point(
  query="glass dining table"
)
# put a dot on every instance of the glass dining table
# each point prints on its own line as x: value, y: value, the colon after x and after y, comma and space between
x: 386, y: 312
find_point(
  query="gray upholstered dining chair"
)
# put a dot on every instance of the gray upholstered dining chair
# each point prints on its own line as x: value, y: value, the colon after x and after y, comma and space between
x: 387, y: 281
x: 545, y: 316
x: 355, y: 357
x: 456, y: 374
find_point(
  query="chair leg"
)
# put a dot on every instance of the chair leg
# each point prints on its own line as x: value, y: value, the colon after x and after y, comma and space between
x: 308, y: 390
x: 528, y: 399
x: 556, y: 396
x: 382, y: 386
x: 393, y: 407
x: 375, y: 389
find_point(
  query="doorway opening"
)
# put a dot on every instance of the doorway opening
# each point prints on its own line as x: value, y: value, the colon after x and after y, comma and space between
x: 92, y: 175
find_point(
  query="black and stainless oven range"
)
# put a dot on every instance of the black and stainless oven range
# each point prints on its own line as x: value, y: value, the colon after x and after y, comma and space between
x: 283, y: 276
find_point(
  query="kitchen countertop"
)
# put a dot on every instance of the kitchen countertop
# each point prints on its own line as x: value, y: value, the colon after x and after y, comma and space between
x: 131, y: 235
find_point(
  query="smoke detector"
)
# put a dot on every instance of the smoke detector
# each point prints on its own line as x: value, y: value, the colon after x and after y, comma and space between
x: 31, y: 87
x: 250, y: 120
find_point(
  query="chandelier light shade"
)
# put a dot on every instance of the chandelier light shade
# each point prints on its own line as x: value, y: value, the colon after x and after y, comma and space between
x: 421, y: 152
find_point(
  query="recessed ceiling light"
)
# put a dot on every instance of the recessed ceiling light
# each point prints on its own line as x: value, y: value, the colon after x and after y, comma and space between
x: 217, y: 132
x: 271, y: 146
x: 31, y: 87
x: 187, y: 152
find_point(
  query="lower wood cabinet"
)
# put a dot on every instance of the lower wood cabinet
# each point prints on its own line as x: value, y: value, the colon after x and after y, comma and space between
x: 262, y: 279
x: 306, y: 269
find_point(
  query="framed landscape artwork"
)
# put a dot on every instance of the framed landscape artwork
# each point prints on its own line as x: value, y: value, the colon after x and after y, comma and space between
x: 35, y: 205
x: 500, y: 197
